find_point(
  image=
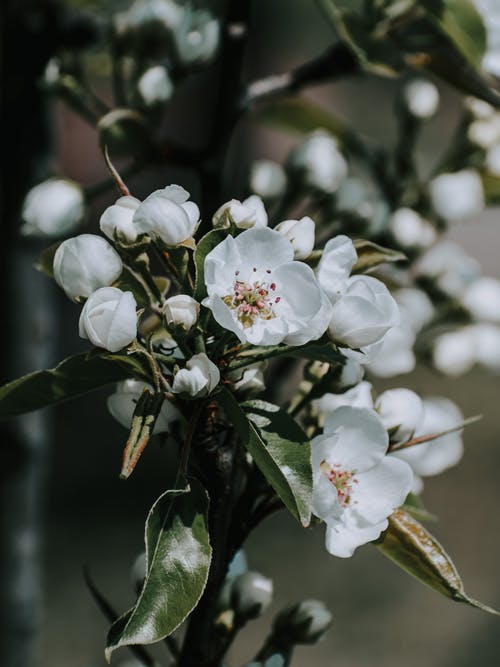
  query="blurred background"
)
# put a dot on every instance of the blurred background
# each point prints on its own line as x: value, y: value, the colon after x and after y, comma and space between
x: 382, y: 617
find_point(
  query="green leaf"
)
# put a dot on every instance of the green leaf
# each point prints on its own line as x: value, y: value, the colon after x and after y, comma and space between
x: 73, y: 377
x: 46, y: 260
x: 371, y: 255
x: 279, y: 448
x: 319, y: 350
x: 205, y: 245
x: 414, y: 506
x: 408, y: 544
x: 178, y: 557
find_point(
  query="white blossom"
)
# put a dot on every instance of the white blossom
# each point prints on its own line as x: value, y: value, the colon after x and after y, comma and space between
x: 84, y: 263
x: 181, y: 310
x: 164, y: 16
x: 401, y: 412
x: 252, y: 593
x: 454, y: 353
x: 421, y: 98
x: 267, y: 179
x: 300, y: 233
x: 258, y: 291
x: 117, y: 220
x: 451, y: 267
x: 457, y: 196
x: 479, y: 108
x: 352, y: 373
x: 251, y: 212
x: 411, y: 230
x: 122, y: 403
x: 335, y: 265
x: 415, y: 307
x: 490, y: 12
x: 355, y: 485
x: 359, y: 396
x: 198, y: 379
x: 108, y: 319
x: 487, y: 345
x: 168, y: 215
x: 197, y: 37
x: 53, y: 208
x: 482, y: 299
x: 485, y: 132
x: 435, y: 456
x: 395, y: 354
x: 319, y: 162
x: 155, y: 85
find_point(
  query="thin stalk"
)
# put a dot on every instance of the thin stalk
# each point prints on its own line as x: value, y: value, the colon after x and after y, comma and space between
x: 114, y: 173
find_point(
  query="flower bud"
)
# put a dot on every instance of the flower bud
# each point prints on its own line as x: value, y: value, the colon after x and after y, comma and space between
x: 199, y: 378
x: 450, y: 266
x: 458, y: 196
x: 181, y: 311
x: 267, y: 179
x: 485, y: 132
x: 84, y: 263
x: 335, y: 265
x: 454, y: 353
x: 421, y: 98
x: 197, y: 38
x: 352, y: 373
x: 401, y: 411
x: 122, y: 403
x: 304, y: 623
x: 123, y: 132
x: 319, y: 162
x: 250, y: 380
x: 116, y: 221
x: 479, y: 108
x: 108, y: 319
x: 252, y: 593
x: 395, y: 354
x: 415, y: 307
x: 155, y: 86
x: 487, y: 345
x: 300, y: 233
x: 53, y: 208
x: 248, y: 213
x: 168, y: 215
x: 482, y: 299
x: 410, y: 230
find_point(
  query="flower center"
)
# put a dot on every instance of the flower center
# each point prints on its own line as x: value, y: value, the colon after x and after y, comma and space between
x: 342, y: 480
x: 252, y: 299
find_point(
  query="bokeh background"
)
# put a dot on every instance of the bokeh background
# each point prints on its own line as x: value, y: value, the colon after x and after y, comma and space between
x: 382, y: 617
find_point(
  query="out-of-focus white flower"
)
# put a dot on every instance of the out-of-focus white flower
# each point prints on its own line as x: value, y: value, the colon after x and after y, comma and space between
x: 451, y: 267
x: 168, y: 215
x: 352, y: 373
x: 108, y: 319
x: 258, y: 291
x: 490, y: 12
x: 300, y: 233
x: 401, y: 412
x: 84, y: 263
x: 435, y: 456
x: 319, y: 162
x: 395, y: 355
x: 252, y: 593
x: 364, y: 313
x: 116, y: 221
x: 123, y: 401
x: 304, y: 623
x: 482, y: 299
x: 421, y: 98
x: 267, y: 179
x: 199, y: 378
x: 155, y: 86
x: 164, y: 16
x: 458, y: 196
x: 197, y: 38
x: 485, y: 132
x: 487, y: 345
x: 355, y: 485
x: 454, y: 353
x: 415, y: 307
x: 53, y: 208
x: 250, y: 380
x: 251, y: 212
x: 411, y: 230
x: 479, y: 108
x: 335, y: 265
x: 359, y: 396
x: 492, y: 160
x: 181, y: 311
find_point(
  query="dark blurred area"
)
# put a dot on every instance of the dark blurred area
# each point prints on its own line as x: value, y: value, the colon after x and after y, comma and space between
x: 382, y: 617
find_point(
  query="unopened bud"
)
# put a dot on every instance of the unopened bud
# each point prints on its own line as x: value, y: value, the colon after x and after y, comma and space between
x: 267, y: 179
x: 155, y: 86
x: 304, y: 623
x: 252, y: 593
x: 246, y: 214
x: 53, y: 208
x: 300, y: 233
x: 421, y: 98
x: 181, y: 311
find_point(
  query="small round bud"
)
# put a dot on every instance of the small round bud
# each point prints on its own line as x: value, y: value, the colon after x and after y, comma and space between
x: 304, y: 623
x: 492, y: 160
x: 249, y: 213
x: 454, y: 353
x: 485, y: 132
x: 116, y: 221
x: 53, y: 208
x: 198, y: 379
x: 487, y: 345
x: 252, y: 593
x: 197, y: 38
x: 411, y: 230
x: 155, y: 86
x: 168, y: 215
x: 401, y: 412
x: 181, y: 311
x: 300, y: 233
x: 482, y: 299
x: 457, y: 196
x: 415, y: 307
x: 319, y: 162
x: 267, y: 179
x: 109, y: 319
x: 421, y: 98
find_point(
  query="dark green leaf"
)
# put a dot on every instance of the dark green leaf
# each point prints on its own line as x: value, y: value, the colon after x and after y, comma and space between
x: 73, y: 377
x: 408, y: 544
x: 46, y: 260
x: 178, y: 557
x: 279, y: 448
x: 205, y: 245
x: 371, y: 255
x: 319, y: 350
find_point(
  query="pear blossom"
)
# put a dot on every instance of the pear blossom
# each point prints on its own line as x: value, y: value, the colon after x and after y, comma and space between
x: 394, y: 355
x: 53, y: 208
x: 356, y: 487
x: 108, y: 318
x: 155, y: 86
x: 450, y: 266
x: 421, y: 98
x: 117, y: 220
x: 304, y: 623
x: 401, y: 412
x: 181, y: 311
x: 490, y: 13
x: 122, y: 403
x: 85, y: 263
x: 487, y: 345
x: 300, y: 233
x: 267, y: 179
x: 415, y: 307
x: 197, y: 37
x: 482, y: 299
x: 352, y: 373
x: 249, y: 213
x: 435, y: 456
x: 411, y: 230
x: 257, y: 290
x: 337, y: 259
x: 457, y: 196
x: 359, y: 396
x: 251, y: 594
x: 485, y: 132
x: 198, y: 379
x: 319, y: 162
x: 168, y: 215
x: 454, y: 353
x: 492, y: 160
